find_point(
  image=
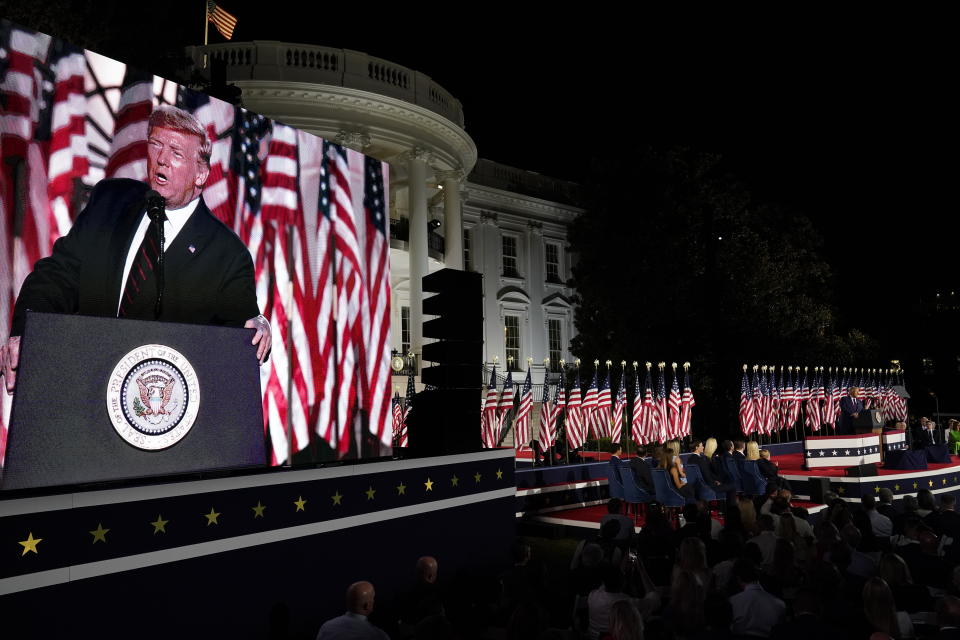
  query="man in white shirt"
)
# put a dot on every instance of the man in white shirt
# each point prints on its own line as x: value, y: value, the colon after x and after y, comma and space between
x: 766, y: 540
x: 882, y: 525
x: 353, y: 625
x: 755, y: 612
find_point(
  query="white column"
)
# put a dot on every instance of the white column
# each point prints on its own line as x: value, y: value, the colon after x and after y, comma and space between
x: 417, y: 189
x: 535, y: 278
x: 452, y: 218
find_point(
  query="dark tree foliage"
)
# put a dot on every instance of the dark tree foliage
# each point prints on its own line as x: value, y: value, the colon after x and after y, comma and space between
x: 676, y: 260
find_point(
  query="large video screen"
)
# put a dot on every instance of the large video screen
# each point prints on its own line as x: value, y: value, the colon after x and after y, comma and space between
x: 312, y: 215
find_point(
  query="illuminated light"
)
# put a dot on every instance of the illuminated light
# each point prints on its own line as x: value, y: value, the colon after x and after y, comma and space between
x: 719, y: 237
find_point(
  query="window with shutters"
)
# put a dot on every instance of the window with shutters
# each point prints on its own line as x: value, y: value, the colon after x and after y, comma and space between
x: 552, y: 256
x: 510, y: 256
x: 554, y: 343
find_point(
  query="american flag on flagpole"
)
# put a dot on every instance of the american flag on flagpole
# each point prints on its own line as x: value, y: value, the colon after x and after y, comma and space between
x: 601, y: 415
x: 774, y: 418
x: 506, y: 406
x: 489, y: 427
x: 619, y: 406
x: 829, y: 409
x: 757, y: 400
x: 748, y: 420
x: 673, y: 405
x: 687, y: 403
x: 223, y: 21
x: 786, y: 399
x: 521, y: 424
x: 547, y: 416
x: 397, y: 414
x: 574, y: 421
x: 589, y: 406
x: 660, y: 404
x: 558, y: 410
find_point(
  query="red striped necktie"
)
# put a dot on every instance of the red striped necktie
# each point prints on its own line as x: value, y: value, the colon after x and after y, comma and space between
x: 143, y: 293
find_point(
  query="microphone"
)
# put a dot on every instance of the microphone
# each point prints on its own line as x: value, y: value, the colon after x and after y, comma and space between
x: 156, y: 211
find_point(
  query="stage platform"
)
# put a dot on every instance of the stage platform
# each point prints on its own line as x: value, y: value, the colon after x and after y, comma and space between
x: 570, y: 492
x: 184, y: 559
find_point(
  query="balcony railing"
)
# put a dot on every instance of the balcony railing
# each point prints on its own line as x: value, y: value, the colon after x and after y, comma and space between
x: 400, y: 231
x: 282, y: 61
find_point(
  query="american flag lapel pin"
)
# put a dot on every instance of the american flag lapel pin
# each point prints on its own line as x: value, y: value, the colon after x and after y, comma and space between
x: 192, y: 249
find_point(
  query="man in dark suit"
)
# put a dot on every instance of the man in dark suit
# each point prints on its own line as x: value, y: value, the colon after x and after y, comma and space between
x: 738, y: 450
x: 706, y: 470
x: 850, y: 407
x: 107, y: 265
x: 927, y: 434
x: 641, y: 472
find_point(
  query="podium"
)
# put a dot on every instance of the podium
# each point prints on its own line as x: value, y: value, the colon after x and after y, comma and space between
x: 868, y: 421
x: 101, y: 399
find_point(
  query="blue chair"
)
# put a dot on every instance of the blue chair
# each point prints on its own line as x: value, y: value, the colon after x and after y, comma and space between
x: 754, y: 483
x: 699, y: 484
x: 613, y: 478
x: 632, y: 492
x: 668, y: 497
x: 734, y: 472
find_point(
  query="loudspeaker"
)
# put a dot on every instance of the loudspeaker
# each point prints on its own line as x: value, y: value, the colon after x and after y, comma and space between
x: 458, y: 352
x: 444, y: 421
x: 861, y: 470
x: 818, y: 489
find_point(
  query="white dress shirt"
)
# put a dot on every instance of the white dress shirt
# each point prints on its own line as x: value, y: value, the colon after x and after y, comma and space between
x: 755, y: 612
x: 176, y: 219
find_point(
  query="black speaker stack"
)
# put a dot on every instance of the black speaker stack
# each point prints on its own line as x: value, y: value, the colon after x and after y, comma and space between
x: 445, y: 418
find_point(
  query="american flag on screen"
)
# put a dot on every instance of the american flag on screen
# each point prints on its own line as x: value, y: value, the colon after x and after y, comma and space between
x: 404, y: 438
x: 308, y: 263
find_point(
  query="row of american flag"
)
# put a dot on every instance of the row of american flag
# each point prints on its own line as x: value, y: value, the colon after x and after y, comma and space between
x: 598, y: 411
x: 771, y: 401
x: 312, y: 213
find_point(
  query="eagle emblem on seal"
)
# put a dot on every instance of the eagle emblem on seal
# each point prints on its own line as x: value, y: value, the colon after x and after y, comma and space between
x: 155, y: 393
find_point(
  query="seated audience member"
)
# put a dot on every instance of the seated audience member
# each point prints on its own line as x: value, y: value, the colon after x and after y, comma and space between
x: 926, y: 565
x: 807, y: 622
x: 770, y: 471
x: 702, y: 460
x: 738, y: 447
x: 354, y: 623
x: 668, y: 462
x: 897, y: 576
x: 885, y: 506
x: 949, y: 520
x: 625, y: 621
x: 601, y: 599
x: 692, y: 559
x: 424, y: 599
x: 641, y: 472
x: 861, y: 565
x: 524, y: 582
x: 606, y: 540
x: 928, y: 435
x: 748, y: 516
x: 783, y: 575
x: 731, y: 548
x: 755, y: 612
x: 880, y: 524
x: 948, y: 619
x: 766, y: 540
x: 709, y: 448
x: 586, y: 570
x: 797, y: 531
x: 685, y: 613
x: 614, y: 512
x: 953, y: 436
x: 716, y: 461
x: 881, y: 612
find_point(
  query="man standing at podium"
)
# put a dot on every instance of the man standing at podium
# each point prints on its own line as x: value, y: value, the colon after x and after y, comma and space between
x: 850, y: 408
x: 110, y: 263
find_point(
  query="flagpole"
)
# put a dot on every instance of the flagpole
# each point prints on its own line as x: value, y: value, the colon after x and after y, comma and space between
x: 566, y: 440
x: 206, y: 30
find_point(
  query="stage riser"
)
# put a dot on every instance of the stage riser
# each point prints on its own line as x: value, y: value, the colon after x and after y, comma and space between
x: 557, y: 497
x: 944, y: 481
x: 221, y: 580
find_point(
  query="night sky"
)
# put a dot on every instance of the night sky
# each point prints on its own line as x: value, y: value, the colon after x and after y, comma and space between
x: 849, y: 120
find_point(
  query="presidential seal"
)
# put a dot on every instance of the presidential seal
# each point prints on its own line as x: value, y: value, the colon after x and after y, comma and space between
x: 153, y: 397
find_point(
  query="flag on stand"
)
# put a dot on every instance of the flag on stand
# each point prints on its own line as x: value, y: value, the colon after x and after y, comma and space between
x: 407, y: 406
x: 521, y: 424
x: 546, y: 437
x: 602, y: 413
x: 828, y: 407
x: 673, y: 404
x: 787, y: 399
x: 223, y: 21
x: 757, y: 400
x: 589, y: 407
x: 660, y: 405
x: 618, y: 407
x: 574, y: 423
x: 638, y: 413
x: 489, y: 426
x: 506, y: 405
x: 748, y: 420
x: 687, y: 403
x: 556, y: 413
x: 774, y: 410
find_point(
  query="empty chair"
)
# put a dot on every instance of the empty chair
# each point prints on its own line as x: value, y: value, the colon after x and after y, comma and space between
x: 632, y: 492
x: 700, y: 488
x: 613, y: 477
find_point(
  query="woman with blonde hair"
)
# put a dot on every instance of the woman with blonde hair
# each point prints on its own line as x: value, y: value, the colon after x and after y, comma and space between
x: 753, y: 450
x: 709, y: 448
x: 748, y: 516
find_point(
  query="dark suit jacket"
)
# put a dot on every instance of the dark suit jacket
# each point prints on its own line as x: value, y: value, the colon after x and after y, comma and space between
x: 767, y: 469
x: 212, y: 284
x: 641, y: 473
x: 848, y: 406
